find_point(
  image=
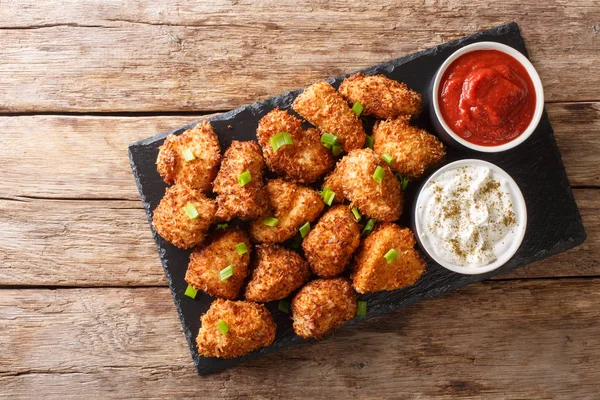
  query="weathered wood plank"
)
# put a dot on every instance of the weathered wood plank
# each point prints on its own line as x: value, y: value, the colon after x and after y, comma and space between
x: 108, y: 243
x: 72, y: 156
x: 508, y: 340
x: 170, y: 56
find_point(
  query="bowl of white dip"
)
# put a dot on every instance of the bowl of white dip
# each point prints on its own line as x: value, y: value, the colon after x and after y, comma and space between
x: 470, y: 216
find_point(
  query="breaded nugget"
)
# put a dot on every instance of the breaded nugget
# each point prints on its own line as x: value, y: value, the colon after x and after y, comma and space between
x: 413, y: 149
x: 323, y: 107
x: 372, y: 271
x: 354, y: 174
x: 276, y: 272
x: 304, y: 161
x: 171, y: 221
x: 234, y: 200
x: 293, y: 205
x: 380, y: 96
x: 249, y: 326
x: 322, y: 306
x: 330, y: 244
x: 202, y: 143
x: 207, y: 262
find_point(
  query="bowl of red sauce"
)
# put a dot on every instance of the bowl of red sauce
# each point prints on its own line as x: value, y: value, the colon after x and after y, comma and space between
x: 487, y: 97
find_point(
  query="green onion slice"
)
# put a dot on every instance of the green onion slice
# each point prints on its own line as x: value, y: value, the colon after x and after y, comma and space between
x: 270, y: 221
x: 369, y: 226
x: 387, y: 158
x: 379, y: 174
x: 191, y: 292
x: 280, y: 139
x: 226, y: 273
x: 369, y: 142
x: 356, y: 214
x: 328, y: 195
x: 361, y: 311
x: 357, y: 108
x: 329, y: 139
x: 191, y: 211
x: 304, y: 229
x: 222, y: 325
x: 222, y: 226
x: 403, y: 181
x: 188, y: 155
x: 284, y: 306
x: 390, y: 255
x: 244, y: 178
x: 336, y: 149
x: 241, y: 248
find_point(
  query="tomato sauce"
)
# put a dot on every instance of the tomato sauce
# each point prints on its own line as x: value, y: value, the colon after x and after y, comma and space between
x: 487, y: 97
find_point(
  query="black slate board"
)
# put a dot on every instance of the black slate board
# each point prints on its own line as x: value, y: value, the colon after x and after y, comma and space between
x: 554, y: 223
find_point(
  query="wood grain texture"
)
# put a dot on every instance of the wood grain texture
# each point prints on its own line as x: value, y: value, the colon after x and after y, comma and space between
x: 116, y: 343
x: 217, y: 55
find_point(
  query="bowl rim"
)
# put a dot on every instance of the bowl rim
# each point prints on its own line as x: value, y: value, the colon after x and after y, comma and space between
x: 535, y: 78
x: 520, y: 210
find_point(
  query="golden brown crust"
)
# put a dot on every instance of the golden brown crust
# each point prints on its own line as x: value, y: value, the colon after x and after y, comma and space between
x: 173, y: 224
x: 276, y: 273
x: 236, y: 201
x: 330, y: 244
x: 381, y: 96
x: 198, y: 173
x: 354, y: 175
x: 323, y: 107
x: 372, y: 272
x: 251, y: 327
x: 207, y: 261
x: 322, y: 306
x: 293, y: 205
x: 306, y: 160
x: 413, y: 149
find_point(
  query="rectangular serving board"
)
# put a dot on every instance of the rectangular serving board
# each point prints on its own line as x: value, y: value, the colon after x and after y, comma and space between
x: 554, y: 222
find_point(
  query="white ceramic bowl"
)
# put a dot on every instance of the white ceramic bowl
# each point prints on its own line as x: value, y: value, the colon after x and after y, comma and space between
x: 448, y: 135
x: 520, y: 209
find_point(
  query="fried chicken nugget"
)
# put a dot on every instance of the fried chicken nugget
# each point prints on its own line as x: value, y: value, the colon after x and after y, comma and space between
x: 323, y: 107
x: 293, y: 205
x: 207, y: 262
x: 234, y: 200
x: 200, y: 142
x: 413, y: 149
x: 276, y: 273
x: 373, y: 273
x: 330, y: 244
x: 354, y: 176
x: 381, y: 96
x: 171, y: 221
x: 250, y: 326
x: 322, y: 306
x: 306, y: 160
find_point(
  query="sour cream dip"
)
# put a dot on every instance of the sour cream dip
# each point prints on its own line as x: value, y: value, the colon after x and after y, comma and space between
x: 470, y: 216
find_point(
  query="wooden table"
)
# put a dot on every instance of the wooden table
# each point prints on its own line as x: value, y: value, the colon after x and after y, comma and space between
x: 84, y: 307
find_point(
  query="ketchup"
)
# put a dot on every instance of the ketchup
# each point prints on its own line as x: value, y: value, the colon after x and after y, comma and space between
x: 487, y: 97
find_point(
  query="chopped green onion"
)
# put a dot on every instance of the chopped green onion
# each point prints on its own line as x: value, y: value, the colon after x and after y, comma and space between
x: 369, y: 142
x: 336, y: 149
x: 327, y: 146
x: 190, y: 292
x: 357, y: 108
x: 403, y: 181
x: 379, y: 174
x: 226, y: 273
x: 222, y: 226
x: 361, y: 311
x: 270, y: 221
x: 328, y: 138
x: 191, y: 211
x: 356, y: 214
x: 188, y: 155
x: 284, y: 306
x: 280, y: 139
x: 222, y: 325
x: 369, y: 226
x: 297, y: 242
x: 328, y: 195
x: 244, y: 178
x: 241, y: 248
x: 390, y: 255
x: 304, y: 229
x: 387, y: 158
